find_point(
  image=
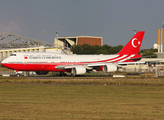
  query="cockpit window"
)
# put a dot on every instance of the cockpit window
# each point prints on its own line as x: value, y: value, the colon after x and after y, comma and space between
x: 13, y: 55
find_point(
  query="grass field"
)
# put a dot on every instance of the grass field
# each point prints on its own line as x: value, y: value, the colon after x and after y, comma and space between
x: 43, y: 101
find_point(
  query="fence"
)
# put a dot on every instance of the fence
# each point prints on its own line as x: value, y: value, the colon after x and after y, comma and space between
x: 7, y: 73
x: 13, y: 73
x: 149, y: 70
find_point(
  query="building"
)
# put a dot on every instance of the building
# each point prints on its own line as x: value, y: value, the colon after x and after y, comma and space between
x: 77, y: 40
x: 10, y: 43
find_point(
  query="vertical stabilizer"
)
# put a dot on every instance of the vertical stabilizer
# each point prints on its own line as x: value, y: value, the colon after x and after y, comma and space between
x: 133, y: 46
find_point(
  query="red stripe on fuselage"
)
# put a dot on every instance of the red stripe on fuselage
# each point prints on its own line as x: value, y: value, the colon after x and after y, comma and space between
x: 117, y: 59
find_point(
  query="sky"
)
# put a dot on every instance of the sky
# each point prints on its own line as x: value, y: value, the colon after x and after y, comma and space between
x: 114, y: 20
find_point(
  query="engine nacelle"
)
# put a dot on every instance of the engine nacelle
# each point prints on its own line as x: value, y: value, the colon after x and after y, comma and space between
x: 109, y: 68
x: 78, y: 71
x: 42, y: 72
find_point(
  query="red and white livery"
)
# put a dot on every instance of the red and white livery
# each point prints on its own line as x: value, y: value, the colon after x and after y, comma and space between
x: 44, y: 62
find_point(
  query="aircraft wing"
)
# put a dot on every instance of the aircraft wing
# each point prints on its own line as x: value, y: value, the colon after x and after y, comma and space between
x: 66, y: 66
x: 83, y: 65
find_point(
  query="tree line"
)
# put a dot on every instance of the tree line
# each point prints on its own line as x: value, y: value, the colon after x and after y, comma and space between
x: 95, y: 49
x: 106, y: 49
x: 149, y: 53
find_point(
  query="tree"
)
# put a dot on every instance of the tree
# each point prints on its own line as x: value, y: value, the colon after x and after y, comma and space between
x: 103, y: 51
x: 95, y: 49
x: 149, y: 53
x: 86, y: 49
x: 76, y: 49
x: 107, y: 48
x: 116, y: 49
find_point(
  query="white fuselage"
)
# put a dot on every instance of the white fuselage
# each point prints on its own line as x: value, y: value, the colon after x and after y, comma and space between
x: 48, y: 61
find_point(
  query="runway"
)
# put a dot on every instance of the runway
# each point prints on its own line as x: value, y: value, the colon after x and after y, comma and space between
x: 106, y: 81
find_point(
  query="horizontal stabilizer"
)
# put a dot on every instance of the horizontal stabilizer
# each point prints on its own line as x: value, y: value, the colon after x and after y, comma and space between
x: 126, y: 63
x: 137, y: 58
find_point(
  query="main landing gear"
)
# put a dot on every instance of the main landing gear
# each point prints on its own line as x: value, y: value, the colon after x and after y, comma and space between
x: 63, y: 74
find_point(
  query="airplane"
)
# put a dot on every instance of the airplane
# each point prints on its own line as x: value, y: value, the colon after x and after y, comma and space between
x: 44, y: 62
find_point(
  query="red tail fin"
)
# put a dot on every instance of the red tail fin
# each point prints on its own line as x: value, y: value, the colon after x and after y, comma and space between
x: 133, y: 46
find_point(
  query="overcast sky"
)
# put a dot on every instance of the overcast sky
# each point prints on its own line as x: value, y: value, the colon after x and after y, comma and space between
x: 114, y: 20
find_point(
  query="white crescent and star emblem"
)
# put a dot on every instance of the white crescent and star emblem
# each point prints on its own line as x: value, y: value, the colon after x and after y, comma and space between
x: 138, y: 43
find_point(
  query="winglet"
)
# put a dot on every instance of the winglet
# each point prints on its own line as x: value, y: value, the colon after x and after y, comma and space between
x: 133, y: 46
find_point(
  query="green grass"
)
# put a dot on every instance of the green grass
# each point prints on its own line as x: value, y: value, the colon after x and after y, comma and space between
x: 35, y: 101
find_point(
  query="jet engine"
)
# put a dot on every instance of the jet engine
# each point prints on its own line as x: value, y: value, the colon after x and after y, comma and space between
x: 42, y: 72
x: 109, y: 68
x: 78, y: 71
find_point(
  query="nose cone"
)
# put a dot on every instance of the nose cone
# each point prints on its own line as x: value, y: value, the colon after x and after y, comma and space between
x: 4, y: 62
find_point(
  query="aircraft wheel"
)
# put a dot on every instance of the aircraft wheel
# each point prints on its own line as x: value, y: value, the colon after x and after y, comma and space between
x: 73, y: 75
x: 61, y: 73
x: 64, y: 74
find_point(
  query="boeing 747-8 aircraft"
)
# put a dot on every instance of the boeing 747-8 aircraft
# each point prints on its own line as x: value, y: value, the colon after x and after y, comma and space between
x: 44, y: 62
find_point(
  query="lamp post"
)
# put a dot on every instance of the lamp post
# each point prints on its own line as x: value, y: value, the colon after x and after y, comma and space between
x: 135, y: 31
x: 57, y: 39
x: 162, y: 38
